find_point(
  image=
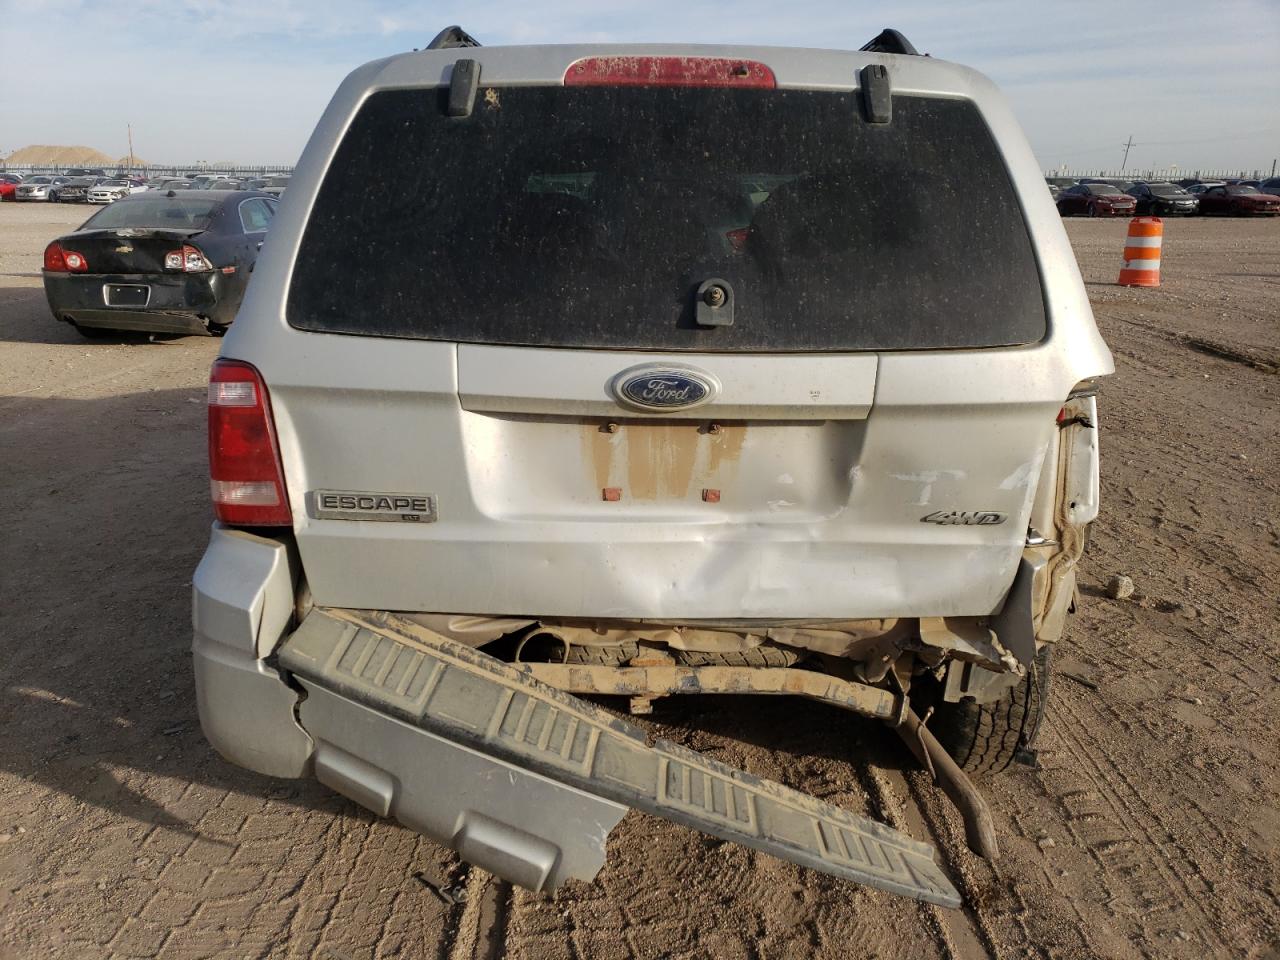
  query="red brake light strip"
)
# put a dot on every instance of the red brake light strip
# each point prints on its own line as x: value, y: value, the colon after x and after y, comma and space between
x: 668, y: 72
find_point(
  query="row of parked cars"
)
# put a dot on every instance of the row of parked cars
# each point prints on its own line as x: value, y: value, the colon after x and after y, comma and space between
x: 95, y: 186
x: 1110, y: 197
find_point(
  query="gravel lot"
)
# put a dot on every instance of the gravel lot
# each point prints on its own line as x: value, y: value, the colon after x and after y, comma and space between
x: 1151, y: 828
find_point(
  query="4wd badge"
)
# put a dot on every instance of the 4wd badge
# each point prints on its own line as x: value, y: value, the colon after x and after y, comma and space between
x: 968, y: 518
x: 364, y: 505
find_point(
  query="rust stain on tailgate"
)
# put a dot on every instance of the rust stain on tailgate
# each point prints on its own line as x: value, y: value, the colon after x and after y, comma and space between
x: 662, y: 460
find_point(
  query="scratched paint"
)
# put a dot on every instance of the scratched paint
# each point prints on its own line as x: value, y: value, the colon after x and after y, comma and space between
x: 926, y: 479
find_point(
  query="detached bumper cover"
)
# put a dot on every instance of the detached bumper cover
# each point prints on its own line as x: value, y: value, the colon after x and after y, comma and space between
x: 382, y: 698
x: 520, y: 778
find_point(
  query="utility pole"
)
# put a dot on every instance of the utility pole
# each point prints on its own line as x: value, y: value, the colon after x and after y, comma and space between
x: 1126, y: 152
x: 129, y: 127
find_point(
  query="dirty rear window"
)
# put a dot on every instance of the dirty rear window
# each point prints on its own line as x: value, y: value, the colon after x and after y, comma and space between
x: 159, y: 212
x: 589, y: 217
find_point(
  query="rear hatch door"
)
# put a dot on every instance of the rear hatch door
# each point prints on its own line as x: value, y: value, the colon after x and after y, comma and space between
x: 854, y: 433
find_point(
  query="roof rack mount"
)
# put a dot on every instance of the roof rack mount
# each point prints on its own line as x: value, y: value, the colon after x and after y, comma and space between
x: 889, y: 40
x: 453, y: 36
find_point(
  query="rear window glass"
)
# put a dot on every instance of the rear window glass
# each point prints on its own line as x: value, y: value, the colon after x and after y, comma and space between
x: 588, y: 217
x: 160, y: 212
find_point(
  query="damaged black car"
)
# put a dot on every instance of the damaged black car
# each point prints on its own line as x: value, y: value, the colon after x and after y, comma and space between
x: 172, y: 262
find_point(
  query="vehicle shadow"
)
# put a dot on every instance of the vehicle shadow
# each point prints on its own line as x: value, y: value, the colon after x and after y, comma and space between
x: 104, y: 507
x: 105, y: 513
x: 785, y: 724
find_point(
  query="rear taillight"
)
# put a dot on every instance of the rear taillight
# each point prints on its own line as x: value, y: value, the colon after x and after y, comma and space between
x: 246, y: 478
x: 738, y: 238
x: 54, y: 260
x: 59, y: 260
x: 189, y: 260
x: 668, y: 72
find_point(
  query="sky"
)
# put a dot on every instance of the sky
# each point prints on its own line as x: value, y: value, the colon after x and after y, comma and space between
x: 1194, y: 84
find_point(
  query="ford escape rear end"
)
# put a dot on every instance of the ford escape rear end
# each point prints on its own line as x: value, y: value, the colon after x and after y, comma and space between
x: 644, y: 371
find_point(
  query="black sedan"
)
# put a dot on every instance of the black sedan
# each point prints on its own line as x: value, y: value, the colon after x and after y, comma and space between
x: 1163, y: 199
x: 171, y: 262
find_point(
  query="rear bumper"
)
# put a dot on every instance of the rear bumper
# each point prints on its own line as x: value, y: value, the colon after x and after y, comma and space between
x: 242, y: 604
x: 182, y: 303
x: 243, y: 589
x: 521, y: 779
x: 154, y: 321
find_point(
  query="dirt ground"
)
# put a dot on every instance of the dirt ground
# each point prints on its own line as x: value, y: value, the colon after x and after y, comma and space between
x: 1150, y: 828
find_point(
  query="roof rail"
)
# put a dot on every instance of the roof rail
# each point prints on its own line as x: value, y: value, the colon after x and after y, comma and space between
x: 889, y: 40
x: 455, y: 36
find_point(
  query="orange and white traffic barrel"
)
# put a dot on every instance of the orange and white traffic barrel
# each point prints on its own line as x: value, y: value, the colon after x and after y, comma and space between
x: 1141, y: 266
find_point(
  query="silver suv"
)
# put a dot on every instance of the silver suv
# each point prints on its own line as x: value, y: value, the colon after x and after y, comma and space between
x: 646, y: 371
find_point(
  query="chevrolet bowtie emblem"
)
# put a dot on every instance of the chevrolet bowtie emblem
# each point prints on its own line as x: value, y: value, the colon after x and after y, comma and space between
x: 124, y: 248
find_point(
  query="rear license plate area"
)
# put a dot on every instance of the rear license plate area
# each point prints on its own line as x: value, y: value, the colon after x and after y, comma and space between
x: 126, y: 294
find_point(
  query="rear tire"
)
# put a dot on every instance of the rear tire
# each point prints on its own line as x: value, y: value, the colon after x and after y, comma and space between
x: 983, y: 737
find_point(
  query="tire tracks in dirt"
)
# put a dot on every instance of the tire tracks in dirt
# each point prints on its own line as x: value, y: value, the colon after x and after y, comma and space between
x: 1120, y: 826
x: 961, y: 933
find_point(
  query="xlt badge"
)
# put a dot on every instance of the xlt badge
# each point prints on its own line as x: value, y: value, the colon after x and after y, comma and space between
x: 366, y: 505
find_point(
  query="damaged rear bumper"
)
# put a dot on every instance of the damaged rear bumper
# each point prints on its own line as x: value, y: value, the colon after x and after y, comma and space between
x: 520, y: 778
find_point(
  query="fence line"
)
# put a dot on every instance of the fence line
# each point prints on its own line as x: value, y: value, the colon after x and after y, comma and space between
x: 155, y: 169
x: 269, y: 170
x: 1168, y: 173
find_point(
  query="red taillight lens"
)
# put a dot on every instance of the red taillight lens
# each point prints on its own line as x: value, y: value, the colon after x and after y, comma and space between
x: 668, y: 72
x: 189, y: 259
x: 59, y: 260
x: 246, y: 478
x: 55, y: 259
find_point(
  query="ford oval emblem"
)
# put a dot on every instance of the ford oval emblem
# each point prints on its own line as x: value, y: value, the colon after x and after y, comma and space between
x: 664, y: 388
